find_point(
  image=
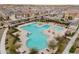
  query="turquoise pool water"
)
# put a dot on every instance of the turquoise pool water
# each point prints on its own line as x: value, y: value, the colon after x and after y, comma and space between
x: 58, y: 28
x: 37, y: 39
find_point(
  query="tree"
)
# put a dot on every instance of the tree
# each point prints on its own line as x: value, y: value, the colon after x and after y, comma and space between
x: 62, y: 19
x: 33, y: 51
x: 70, y: 17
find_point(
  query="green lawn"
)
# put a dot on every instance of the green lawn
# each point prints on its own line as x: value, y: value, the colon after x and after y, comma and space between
x: 11, y: 41
x: 62, y: 44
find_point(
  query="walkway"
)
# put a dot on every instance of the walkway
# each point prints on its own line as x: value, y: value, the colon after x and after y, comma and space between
x: 1, y: 33
x: 2, y: 43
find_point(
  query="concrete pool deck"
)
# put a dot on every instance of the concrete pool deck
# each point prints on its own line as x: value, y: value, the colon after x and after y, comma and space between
x: 24, y: 40
x: 2, y: 44
x: 53, y: 32
x: 23, y: 37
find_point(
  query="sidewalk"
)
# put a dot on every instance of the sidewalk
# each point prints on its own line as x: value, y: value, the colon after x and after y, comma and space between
x: 2, y: 44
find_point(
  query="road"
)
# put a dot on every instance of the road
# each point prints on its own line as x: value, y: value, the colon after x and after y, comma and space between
x: 71, y: 42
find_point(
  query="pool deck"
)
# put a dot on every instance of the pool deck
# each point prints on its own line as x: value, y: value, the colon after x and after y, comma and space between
x: 24, y: 38
x: 53, y: 32
x: 23, y: 41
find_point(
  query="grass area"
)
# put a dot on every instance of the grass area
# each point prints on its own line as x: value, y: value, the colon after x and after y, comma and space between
x: 73, y: 48
x: 10, y: 44
x: 75, y: 45
x: 61, y: 45
x: 10, y: 41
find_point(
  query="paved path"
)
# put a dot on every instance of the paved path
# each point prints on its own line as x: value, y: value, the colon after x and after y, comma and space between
x: 2, y: 43
x: 71, y: 42
x: 1, y: 33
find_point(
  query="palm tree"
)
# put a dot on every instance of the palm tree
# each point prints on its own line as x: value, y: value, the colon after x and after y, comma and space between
x: 62, y: 19
x: 33, y: 51
x: 70, y: 17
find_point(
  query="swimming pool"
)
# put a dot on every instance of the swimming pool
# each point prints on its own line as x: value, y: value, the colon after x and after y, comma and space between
x: 37, y: 39
x: 58, y: 28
